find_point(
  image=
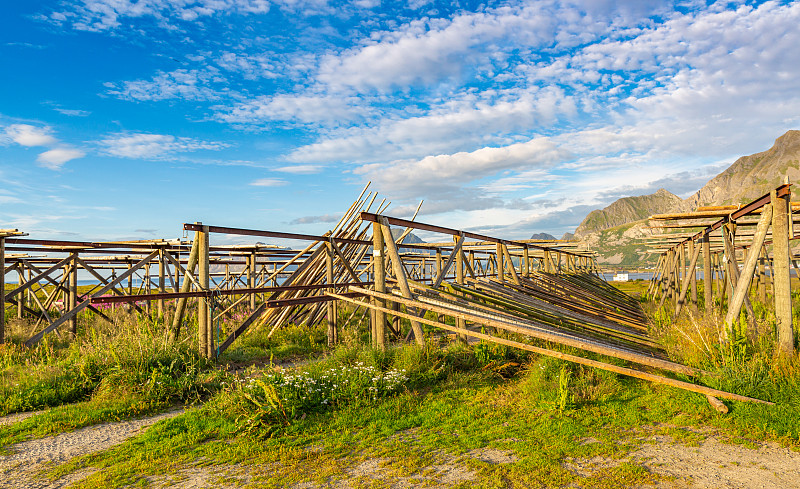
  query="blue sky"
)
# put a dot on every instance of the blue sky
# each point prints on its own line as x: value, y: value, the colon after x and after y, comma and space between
x: 122, y: 119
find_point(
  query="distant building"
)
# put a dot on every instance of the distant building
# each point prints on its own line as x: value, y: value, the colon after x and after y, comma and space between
x: 620, y: 277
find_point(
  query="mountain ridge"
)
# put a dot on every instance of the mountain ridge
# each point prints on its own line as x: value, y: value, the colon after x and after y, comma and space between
x: 613, y: 232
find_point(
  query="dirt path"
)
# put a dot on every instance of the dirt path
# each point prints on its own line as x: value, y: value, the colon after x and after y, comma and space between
x: 18, y: 470
x: 17, y: 417
x: 713, y: 464
x: 709, y: 464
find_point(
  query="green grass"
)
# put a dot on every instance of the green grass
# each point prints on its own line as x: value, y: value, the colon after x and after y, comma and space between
x: 441, y: 421
x: 412, y: 410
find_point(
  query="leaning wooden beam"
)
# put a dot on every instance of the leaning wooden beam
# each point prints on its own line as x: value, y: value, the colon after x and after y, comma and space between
x: 102, y: 281
x: 38, y: 277
x: 69, y: 314
x: 572, y: 358
x: 686, y: 282
x: 241, y: 329
x: 400, y: 274
x: 180, y: 307
x: 440, y: 276
x: 708, y: 280
x: 743, y: 285
x: 378, y: 323
x: 532, y: 329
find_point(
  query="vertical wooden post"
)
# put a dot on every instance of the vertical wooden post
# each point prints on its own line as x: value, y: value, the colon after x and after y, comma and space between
x: 2, y: 290
x: 501, y: 273
x: 20, y: 297
x: 762, y: 277
x: 162, y: 284
x: 471, y: 260
x: 782, y: 279
x: 683, y: 269
x: 251, y: 278
x: 203, y: 311
x: 130, y: 278
x: 331, y: 306
x: 29, y: 291
x: 460, y: 323
x: 693, y: 274
x: 526, y: 260
x: 72, y: 303
x: 379, y: 270
x: 685, y: 284
x: 707, y: 275
x: 439, y: 265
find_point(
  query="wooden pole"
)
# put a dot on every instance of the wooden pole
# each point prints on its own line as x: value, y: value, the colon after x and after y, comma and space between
x: 762, y: 277
x: 2, y: 290
x: 743, y: 284
x: 693, y: 273
x: 708, y: 281
x: 162, y: 284
x: 203, y: 311
x: 400, y: 274
x: 20, y: 297
x: 782, y: 279
x: 685, y: 285
x: 331, y: 307
x: 180, y: 306
x: 592, y: 363
x: 379, y: 271
x: 72, y: 303
x: 251, y: 277
x: 461, y: 323
x: 526, y: 262
x: 501, y: 275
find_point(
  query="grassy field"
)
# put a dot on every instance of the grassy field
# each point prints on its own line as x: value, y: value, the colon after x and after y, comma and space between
x: 479, y: 415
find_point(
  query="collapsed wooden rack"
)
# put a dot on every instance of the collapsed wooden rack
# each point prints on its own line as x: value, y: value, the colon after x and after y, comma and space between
x: 538, y: 296
x: 727, y: 236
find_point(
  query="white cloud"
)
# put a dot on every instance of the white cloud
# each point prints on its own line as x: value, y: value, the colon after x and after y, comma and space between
x: 292, y: 108
x: 316, y: 219
x: 27, y: 135
x: 268, y: 182
x: 9, y: 199
x: 300, y: 169
x: 433, y: 172
x: 154, y: 146
x: 72, y: 112
x: 466, y: 121
x: 56, y: 157
x: 197, y: 85
x: 424, y: 52
x: 104, y: 15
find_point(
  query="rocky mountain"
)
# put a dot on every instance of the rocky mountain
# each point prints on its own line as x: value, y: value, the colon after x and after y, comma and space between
x: 627, y: 210
x: 410, y: 238
x: 750, y: 177
x: 615, y: 231
x: 543, y: 236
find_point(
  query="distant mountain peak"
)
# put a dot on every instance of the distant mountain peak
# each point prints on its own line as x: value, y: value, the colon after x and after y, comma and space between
x: 543, y: 236
x: 627, y: 210
x: 752, y: 176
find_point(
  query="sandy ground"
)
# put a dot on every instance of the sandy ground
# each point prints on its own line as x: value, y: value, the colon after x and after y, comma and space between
x: 18, y: 470
x: 709, y: 464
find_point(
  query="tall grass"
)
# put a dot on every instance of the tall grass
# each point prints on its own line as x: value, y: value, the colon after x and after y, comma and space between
x: 126, y: 359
